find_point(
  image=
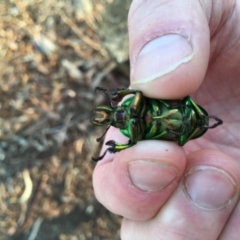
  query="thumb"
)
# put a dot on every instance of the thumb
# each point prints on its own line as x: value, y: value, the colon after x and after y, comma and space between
x: 169, y: 47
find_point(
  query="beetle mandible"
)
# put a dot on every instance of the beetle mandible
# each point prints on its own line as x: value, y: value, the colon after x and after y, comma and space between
x: 139, y: 118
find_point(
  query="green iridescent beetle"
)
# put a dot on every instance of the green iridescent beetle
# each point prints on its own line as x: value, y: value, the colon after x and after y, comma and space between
x: 140, y: 118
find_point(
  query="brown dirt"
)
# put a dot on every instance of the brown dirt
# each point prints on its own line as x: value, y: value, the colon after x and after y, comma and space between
x: 52, y: 58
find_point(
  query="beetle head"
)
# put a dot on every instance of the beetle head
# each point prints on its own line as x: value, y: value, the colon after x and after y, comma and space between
x: 102, y: 116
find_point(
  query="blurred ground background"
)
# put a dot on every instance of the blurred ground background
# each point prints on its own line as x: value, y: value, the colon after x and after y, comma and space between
x: 53, y: 53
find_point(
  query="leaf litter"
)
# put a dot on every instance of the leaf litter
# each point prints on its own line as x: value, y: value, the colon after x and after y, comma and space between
x: 51, y: 60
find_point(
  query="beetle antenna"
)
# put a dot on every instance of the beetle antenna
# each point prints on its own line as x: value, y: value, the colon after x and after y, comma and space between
x: 106, y: 94
x: 100, y: 138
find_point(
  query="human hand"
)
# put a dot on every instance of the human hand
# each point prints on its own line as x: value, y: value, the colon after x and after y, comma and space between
x: 164, y: 191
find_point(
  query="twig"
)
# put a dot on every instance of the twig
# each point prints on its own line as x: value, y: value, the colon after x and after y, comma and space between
x: 28, y: 187
x: 91, y: 43
x: 34, y: 202
x: 97, y: 80
x: 35, y: 229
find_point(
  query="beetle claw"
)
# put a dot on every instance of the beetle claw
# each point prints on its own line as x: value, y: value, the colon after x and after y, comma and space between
x: 111, y: 150
x: 111, y: 143
x: 218, y: 122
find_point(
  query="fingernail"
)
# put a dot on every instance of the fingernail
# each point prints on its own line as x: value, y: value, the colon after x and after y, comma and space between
x: 151, y: 176
x: 209, y: 187
x: 161, y: 56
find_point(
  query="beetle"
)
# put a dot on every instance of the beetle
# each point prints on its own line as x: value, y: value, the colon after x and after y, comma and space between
x: 139, y: 117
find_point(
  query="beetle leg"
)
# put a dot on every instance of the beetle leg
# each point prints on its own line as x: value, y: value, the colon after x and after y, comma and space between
x: 199, y: 110
x: 134, y: 131
x: 118, y: 94
x: 114, y: 147
x: 179, y: 104
x: 160, y: 135
x: 177, y: 134
x: 181, y: 136
x: 151, y: 134
x: 138, y: 106
x: 117, y: 147
x: 101, y: 138
x: 218, y: 122
x: 110, y: 150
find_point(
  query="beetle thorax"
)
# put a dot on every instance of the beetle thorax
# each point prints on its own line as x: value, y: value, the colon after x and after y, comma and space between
x: 120, y: 117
